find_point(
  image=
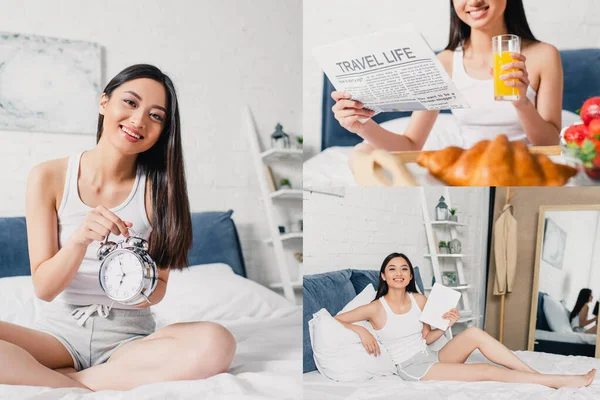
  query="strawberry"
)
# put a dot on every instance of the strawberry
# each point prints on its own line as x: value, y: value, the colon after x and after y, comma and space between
x: 594, y: 128
x: 576, y: 134
x: 590, y: 110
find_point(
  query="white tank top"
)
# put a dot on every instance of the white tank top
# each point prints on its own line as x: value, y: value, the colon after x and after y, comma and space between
x: 402, y: 334
x: 85, y: 288
x: 487, y: 117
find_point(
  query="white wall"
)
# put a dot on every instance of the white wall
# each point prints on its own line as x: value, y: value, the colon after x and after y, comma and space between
x: 220, y: 54
x: 360, y: 229
x: 567, y: 25
x: 578, y: 268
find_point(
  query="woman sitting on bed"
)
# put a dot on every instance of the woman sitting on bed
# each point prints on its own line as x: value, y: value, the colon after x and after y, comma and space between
x: 534, y: 118
x: 133, y: 178
x: 395, y: 315
x: 578, y: 316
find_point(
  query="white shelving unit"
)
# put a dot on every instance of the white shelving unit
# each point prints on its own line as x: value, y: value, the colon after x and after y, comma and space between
x: 431, y: 226
x: 271, y: 200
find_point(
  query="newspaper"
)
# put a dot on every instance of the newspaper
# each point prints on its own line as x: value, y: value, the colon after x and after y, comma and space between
x: 440, y: 301
x: 390, y: 71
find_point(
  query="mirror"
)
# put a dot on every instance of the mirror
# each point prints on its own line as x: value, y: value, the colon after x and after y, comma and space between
x: 566, y: 284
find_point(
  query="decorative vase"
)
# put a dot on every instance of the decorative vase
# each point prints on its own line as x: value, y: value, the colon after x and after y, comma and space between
x: 442, y: 250
x: 453, y: 218
x: 455, y: 246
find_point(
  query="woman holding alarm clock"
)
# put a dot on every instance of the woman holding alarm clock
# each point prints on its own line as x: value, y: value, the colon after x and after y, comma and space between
x: 536, y: 71
x: 395, y: 316
x: 96, y: 330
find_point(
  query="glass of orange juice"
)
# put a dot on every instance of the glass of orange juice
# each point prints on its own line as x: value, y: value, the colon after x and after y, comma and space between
x: 502, y: 46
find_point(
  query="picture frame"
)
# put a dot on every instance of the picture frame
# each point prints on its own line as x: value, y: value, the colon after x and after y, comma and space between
x: 449, y: 278
x: 553, y: 247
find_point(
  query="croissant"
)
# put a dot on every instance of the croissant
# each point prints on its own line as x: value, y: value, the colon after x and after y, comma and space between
x: 494, y: 163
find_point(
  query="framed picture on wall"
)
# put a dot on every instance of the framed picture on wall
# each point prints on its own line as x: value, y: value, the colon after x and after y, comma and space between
x: 553, y: 248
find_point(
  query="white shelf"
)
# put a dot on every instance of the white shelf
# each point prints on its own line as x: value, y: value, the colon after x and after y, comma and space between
x: 295, y: 285
x: 466, y: 319
x: 447, y: 223
x: 287, y: 236
x: 287, y: 194
x: 446, y: 255
x: 272, y: 155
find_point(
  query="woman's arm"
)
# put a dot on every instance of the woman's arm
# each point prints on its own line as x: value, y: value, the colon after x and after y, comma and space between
x: 362, y: 313
x: 583, y: 321
x: 541, y: 122
x: 53, y: 269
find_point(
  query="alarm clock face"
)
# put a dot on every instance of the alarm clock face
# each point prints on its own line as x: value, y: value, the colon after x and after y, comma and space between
x: 121, y: 275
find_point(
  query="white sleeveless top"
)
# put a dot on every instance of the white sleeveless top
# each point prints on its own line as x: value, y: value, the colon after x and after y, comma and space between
x: 85, y: 288
x: 487, y: 117
x: 402, y: 334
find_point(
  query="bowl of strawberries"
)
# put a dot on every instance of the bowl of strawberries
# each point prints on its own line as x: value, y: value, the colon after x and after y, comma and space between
x: 581, y: 141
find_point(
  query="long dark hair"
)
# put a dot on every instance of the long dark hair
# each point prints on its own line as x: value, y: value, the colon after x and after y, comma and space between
x: 383, y: 287
x: 582, y: 299
x: 171, y: 236
x: 514, y: 18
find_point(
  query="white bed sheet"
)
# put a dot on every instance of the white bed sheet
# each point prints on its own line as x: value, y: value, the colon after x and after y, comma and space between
x: 317, y: 386
x: 570, y: 337
x: 267, y: 363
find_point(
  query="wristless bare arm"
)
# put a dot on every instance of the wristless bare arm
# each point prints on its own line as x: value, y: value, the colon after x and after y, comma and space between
x: 53, y: 269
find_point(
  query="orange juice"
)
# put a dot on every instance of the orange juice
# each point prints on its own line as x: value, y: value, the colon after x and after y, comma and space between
x: 501, y: 90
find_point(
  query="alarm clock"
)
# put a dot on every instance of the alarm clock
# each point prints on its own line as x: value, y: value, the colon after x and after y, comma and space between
x: 128, y: 275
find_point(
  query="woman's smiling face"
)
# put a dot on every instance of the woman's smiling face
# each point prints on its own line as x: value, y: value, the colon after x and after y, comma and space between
x: 478, y: 13
x: 135, y: 115
x: 397, y: 273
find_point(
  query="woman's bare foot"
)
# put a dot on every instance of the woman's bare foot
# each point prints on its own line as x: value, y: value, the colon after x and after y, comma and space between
x: 577, y: 381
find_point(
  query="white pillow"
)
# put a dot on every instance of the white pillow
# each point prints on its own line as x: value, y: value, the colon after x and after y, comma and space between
x: 557, y: 318
x: 339, y: 353
x: 18, y: 302
x: 212, y: 292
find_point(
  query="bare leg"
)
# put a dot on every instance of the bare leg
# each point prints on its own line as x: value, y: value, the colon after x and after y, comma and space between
x: 460, y: 347
x: 28, y: 357
x: 184, y: 351
x: 486, y: 372
x: 18, y: 367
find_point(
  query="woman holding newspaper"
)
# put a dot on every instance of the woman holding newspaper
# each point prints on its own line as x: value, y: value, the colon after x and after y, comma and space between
x: 395, y: 315
x: 534, y: 118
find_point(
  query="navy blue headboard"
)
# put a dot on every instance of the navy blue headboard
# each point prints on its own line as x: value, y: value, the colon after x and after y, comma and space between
x: 215, y: 240
x: 581, y: 69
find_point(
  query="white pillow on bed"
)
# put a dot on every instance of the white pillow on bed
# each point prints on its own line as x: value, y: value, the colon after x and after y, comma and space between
x: 339, y: 353
x: 203, y: 292
x: 556, y: 315
x: 213, y: 292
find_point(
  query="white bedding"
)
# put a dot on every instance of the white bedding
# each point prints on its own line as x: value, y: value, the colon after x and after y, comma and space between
x: 317, y: 386
x: 266, y: 326
x: 567, y: 337
x: 330, y: 169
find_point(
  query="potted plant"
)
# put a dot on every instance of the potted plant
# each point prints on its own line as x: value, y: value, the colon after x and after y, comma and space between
x: 284, y: 183
x: 442, y: 247
x: 453, y: 217
x: 299, y: 142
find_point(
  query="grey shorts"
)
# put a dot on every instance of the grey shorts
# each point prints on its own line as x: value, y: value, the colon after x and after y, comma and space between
x: 92, y: 334
x: 417, y: 366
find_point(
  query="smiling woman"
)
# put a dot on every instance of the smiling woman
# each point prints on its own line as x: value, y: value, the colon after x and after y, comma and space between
x: 133, y: 178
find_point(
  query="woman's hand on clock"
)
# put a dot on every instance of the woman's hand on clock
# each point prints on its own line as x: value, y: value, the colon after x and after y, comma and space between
x: 98, y: 224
